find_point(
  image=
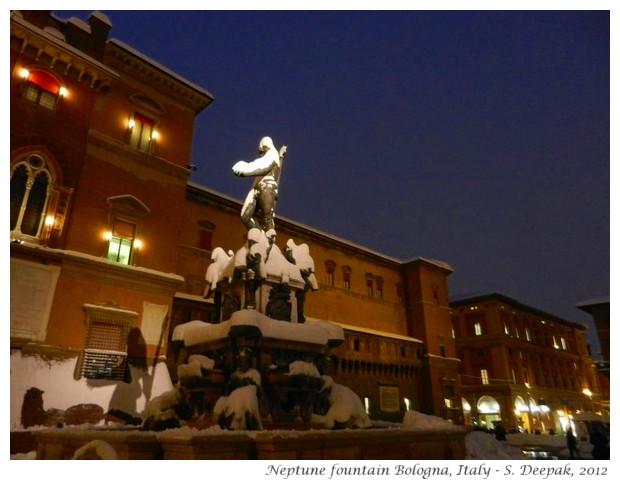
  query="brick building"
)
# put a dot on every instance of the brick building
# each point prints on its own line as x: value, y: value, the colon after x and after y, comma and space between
x: 110, y: 243
x: 522, y: 366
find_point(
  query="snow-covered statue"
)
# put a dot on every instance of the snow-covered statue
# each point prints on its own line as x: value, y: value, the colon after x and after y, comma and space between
x: 258, y: 210
x: 238, y: 409
x: 167, y: 410
x: 300, y: 256
x: 346, y: 409
x: 221, y: 261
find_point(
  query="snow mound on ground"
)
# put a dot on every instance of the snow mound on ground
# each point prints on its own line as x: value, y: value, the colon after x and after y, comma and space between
x: 484, y: 446
x: 95, y: 450
x: 419, y: 421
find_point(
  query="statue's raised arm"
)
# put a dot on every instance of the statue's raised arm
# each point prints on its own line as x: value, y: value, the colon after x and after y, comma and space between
x: 258, y: 210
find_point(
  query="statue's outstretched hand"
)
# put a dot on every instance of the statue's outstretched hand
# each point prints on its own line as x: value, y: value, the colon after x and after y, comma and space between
x: 240, y: 168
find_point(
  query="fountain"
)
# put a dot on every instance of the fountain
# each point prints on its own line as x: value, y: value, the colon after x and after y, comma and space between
x: 259, y: 355
x: 259, y: 372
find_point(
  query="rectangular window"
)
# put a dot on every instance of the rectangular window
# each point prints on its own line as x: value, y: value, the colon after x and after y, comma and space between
x: 105, y: 348
x: 346, y: 280
x: 205, y: 239
x: 484, y: 375
x: 141, y: 135
x: 121, y: 241
x: 477, y: 329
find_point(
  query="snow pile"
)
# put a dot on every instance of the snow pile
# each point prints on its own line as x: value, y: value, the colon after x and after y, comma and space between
x: 419, y: 421
x: 95, y: 450
x: 300, y: 367
x: 484, y: 446
x: 345, y: 407
x: 239, y: 410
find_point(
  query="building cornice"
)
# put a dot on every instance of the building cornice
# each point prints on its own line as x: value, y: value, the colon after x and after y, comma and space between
x: 501, y: 298
x: 152, y: 73
x: 54, y: 52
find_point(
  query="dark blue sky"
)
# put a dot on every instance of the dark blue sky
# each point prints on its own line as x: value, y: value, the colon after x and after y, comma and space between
x: 478, y: 138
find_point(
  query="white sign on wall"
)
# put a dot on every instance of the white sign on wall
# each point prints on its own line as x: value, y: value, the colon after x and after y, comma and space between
x: 33, y: 286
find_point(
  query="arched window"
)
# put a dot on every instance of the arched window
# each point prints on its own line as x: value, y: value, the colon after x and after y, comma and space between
x: 31, y: 185
x: 42, y: 88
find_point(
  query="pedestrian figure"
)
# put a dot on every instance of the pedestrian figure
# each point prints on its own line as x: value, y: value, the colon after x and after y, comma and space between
x: 600, y: 443
x: 571, y: 442
x: 500, y: 432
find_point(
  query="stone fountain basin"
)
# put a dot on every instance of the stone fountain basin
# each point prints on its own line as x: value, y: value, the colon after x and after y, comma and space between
x: 215, y: 444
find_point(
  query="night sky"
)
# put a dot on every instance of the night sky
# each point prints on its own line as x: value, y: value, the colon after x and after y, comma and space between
x: 478, y: 138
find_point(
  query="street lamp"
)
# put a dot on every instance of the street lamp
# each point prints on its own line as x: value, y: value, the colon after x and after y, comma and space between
x: 588, y: 393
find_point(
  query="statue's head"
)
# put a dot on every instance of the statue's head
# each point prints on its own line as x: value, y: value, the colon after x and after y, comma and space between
x: 265, y: 144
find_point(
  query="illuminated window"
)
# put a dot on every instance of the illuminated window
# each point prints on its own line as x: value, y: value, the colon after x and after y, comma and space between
x: 528, y: 337
x: 127, y: 214
x: 41, y: 88
x: 105, y: 348
x: 142, y: 133
x: 121, y: 241
x: 477, y: 329
x: 484, y: 375
x: 367, y: 405
x: 31, y: 185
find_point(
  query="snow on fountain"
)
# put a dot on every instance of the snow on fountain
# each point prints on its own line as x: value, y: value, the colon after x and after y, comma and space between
x: 260, y: 360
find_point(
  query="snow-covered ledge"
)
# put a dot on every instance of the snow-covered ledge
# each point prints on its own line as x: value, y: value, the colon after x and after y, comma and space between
x: 316, y: 332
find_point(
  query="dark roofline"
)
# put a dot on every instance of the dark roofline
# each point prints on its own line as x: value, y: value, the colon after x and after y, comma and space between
x: 204, y: 194
x: 499, y: 297
x: 589, y: 305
